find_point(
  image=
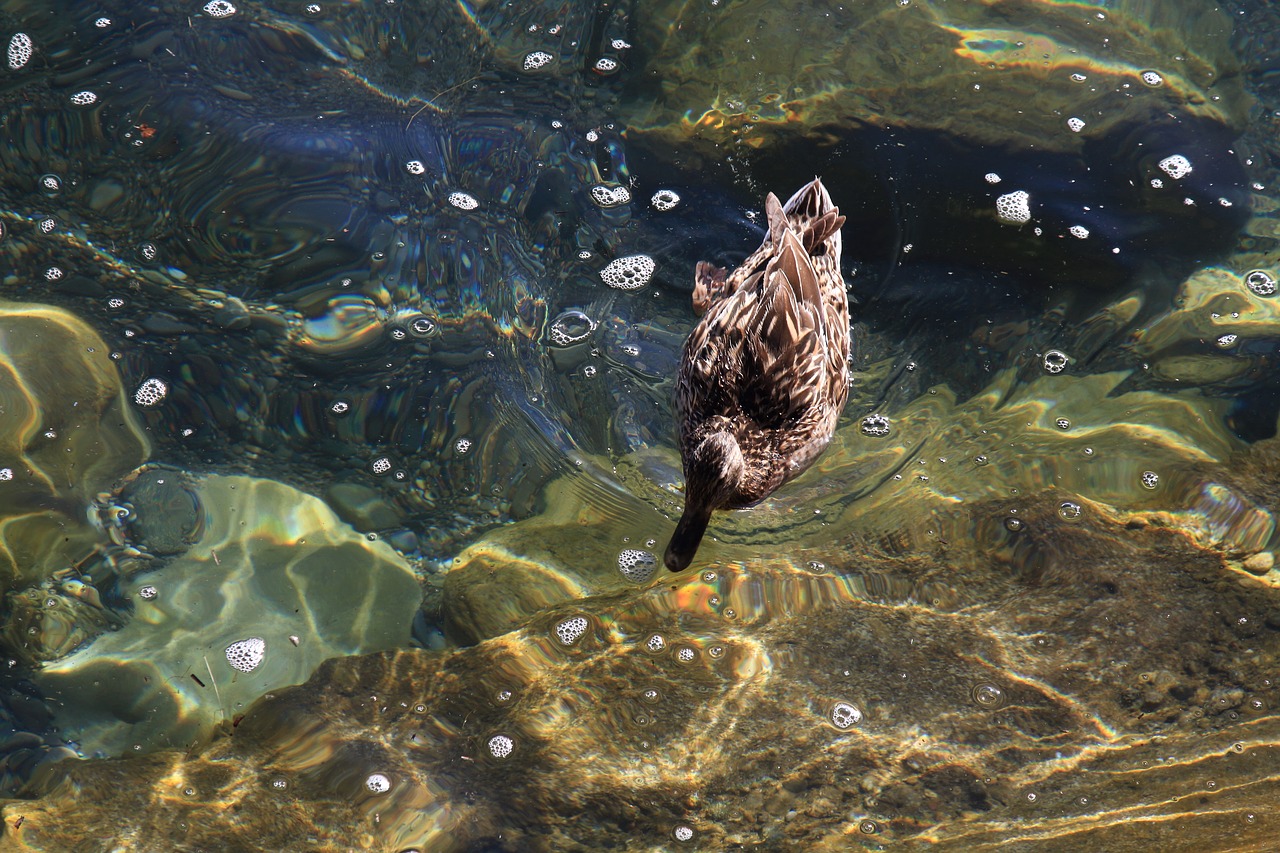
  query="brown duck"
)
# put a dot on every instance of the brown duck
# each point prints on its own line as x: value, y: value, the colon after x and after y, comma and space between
x: 764, y: 375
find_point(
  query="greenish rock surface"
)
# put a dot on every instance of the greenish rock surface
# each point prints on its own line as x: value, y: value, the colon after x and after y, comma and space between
x: 271, y: 563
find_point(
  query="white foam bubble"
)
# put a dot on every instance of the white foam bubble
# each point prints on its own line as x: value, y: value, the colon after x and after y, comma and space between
x: 415, y: 167
x: 84, y: 99
x: 636, y: 565
x: 151, y: 393
x: 569, y: 328
x: 463, y: 201
x: 1175, y: 166
x: 845, y: 716
x: 628, y: 273
x: 610, y: 196
x: 20, y: 50
x: 570, y: 631
x: 536, y: 60
x: 501, y: 746
x: 876, y: 426
x: 1055, y: 361
x: 991, y: 178
x: 664, y: 199
x: 377, y: 783
x: 605, y: 65
x: 1075, y: 125
x: 1014, y: 207
x: 245, y: 655
x: 219, y: 9
x: 1078, y: 231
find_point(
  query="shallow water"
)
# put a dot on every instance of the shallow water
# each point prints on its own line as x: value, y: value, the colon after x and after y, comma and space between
x: 337, y: 347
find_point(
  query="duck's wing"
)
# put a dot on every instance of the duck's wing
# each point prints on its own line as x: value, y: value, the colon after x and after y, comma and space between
x: 784, y: 363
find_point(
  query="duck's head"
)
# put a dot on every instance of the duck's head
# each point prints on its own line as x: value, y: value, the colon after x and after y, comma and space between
x: 713, y: 470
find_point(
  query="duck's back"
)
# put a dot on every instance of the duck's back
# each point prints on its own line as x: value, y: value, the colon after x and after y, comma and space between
x: 770, y: 356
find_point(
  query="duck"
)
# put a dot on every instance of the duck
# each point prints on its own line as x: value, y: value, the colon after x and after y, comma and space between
x: 764, y: 375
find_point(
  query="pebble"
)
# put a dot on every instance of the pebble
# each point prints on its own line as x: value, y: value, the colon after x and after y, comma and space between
x: 1260, y: 563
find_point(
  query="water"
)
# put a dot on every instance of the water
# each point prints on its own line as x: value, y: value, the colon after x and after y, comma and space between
x: 338, y: 342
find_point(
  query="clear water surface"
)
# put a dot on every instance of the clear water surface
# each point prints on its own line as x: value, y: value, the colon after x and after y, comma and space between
x: 336, y: 355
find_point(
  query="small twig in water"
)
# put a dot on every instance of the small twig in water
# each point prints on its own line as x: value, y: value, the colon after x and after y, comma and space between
x: 214, y: 681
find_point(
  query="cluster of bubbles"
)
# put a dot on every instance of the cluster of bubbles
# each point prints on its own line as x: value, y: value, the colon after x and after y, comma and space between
x: 1075, y: 125
x: 20, y: 50
x: 219, y: 9
x: 1014, y: 207
x: 570, y: 631
x: 463, y: 201
x: 1175, y: 166
x: 655, y: 644
x: 245, y: 655
x: 1152, y: 78
x: 683, y: 833
x: 501, y: 746
x: 6, y: 474
x: 569, y: 328
x: 845, y: 716
x: 1260, y: 282
x: 605, y: 65
x: 148, y: 593
x: 536, y: 60
x: 664, y: 200
x: 462, y: 445
x: 876, y: 426
x: 628, y: 273
x: 1078, y: 231
x: 53, y: 274
x: 636, y: 565
x: 1149, y: 479
x: 151, y: 393
x: 610, y: 196
x: 415, y: 167
x: 686, y: 654
x: 84, y: 99
x: 377, y: 783
x: 1055, y: 361
x: 381, y: 465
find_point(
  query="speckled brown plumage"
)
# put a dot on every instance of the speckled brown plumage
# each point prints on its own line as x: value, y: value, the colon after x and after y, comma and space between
x: 764, y: 375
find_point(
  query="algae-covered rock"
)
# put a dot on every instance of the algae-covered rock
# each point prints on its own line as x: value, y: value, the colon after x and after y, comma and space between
x: 270, y: 564
x: 66, y: 432
x: 1002, y: 74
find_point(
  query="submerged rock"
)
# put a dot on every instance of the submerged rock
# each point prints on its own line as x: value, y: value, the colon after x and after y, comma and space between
x: 767, y: 706
x: 270, y: 563
x: 66, y: 433
x: 922, y: 115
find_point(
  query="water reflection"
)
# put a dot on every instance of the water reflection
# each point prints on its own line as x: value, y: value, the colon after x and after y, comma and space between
x: 422, y: 273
